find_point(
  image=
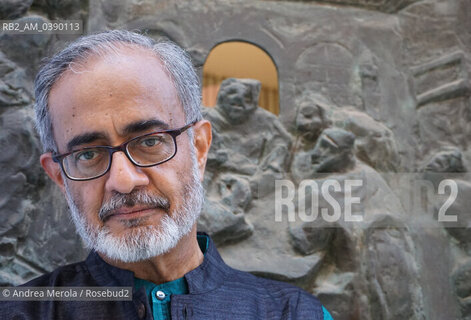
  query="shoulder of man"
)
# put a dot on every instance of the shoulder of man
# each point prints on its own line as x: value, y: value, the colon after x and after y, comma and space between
x: 75, y: 274
x: 72, y: 275
x: 277, y: 294
x: 69, y: 275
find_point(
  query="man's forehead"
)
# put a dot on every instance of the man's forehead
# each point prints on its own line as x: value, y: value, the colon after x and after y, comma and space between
x: 128, y: 62
x: 125, y: 87
x: 135, y: 69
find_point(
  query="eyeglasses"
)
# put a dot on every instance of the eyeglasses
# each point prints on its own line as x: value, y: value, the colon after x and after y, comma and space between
x: 148, y: 150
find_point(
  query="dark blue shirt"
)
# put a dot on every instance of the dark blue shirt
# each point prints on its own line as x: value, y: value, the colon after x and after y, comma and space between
x: 160, y: 295
x: 215, y: 291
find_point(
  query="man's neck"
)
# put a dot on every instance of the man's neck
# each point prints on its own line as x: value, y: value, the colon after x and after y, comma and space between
x: 181, y: 259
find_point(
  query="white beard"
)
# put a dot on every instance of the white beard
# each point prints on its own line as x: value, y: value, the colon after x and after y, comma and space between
x: 142, y: 242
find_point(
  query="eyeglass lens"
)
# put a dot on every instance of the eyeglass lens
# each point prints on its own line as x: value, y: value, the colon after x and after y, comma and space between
x: 144, y: 151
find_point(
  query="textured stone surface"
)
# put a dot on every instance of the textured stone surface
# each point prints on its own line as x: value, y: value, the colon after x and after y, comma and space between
x: 13, y: 9
x: 376, y: 91
x: 380, y: 5
x: 12, y: 84
x: 57, y: 9
x: 27, y: 50
x: 36, y: 232
x: 374, y: 143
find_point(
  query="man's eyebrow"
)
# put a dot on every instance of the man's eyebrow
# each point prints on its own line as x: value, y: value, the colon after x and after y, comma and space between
x: 85, y: 138
x: 145, y: 125
x: 134, y: 127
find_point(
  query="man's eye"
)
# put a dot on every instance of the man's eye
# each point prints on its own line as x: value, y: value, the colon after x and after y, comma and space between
x: 87, y: 155
x: 150, y: 142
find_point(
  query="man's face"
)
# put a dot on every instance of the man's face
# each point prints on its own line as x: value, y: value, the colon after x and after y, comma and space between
x: 309, y: 119
x: 236, y: 102
x: 107, y: 101
x: 333, y: 151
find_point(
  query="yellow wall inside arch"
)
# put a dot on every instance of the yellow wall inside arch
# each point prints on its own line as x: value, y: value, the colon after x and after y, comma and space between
x: 238, y: 59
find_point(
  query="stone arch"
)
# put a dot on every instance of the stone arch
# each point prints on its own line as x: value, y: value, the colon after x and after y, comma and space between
x: 241, y: 59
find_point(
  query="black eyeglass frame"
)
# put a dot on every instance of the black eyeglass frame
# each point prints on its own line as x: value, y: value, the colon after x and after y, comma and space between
x: 59, y: 158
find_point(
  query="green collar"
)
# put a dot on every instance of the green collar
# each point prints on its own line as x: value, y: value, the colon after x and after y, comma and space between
x: 159, y: 295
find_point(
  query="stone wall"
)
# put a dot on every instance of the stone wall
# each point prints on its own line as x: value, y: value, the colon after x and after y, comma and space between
x: 370, y: 91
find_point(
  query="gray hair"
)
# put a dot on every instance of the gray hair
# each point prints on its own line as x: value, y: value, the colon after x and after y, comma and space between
x: 175, y: 61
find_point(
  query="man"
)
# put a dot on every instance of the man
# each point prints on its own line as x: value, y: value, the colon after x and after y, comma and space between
x: 112, y: 111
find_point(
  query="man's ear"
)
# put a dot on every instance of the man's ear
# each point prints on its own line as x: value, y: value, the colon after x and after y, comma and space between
x: 202, y: 141
x: 52, y: 169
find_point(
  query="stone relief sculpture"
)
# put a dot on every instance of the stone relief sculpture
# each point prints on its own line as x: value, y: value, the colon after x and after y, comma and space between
x: 354, y: 146
x: 377, y: 92
x: 12, y: 83
x: 245, y: 131
x: 242, y: 156
x: 31, y: 211
x: 447, y: 163
x: 332, y: 143
x: 385, y: 6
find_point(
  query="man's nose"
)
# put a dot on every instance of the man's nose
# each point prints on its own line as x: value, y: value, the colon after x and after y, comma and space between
x: 124, y: 176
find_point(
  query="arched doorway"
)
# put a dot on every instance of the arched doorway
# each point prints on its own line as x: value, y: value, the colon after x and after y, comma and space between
x: 238, y: 59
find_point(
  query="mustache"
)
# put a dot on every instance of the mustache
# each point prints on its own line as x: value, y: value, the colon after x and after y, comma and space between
x: 119, y: 200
